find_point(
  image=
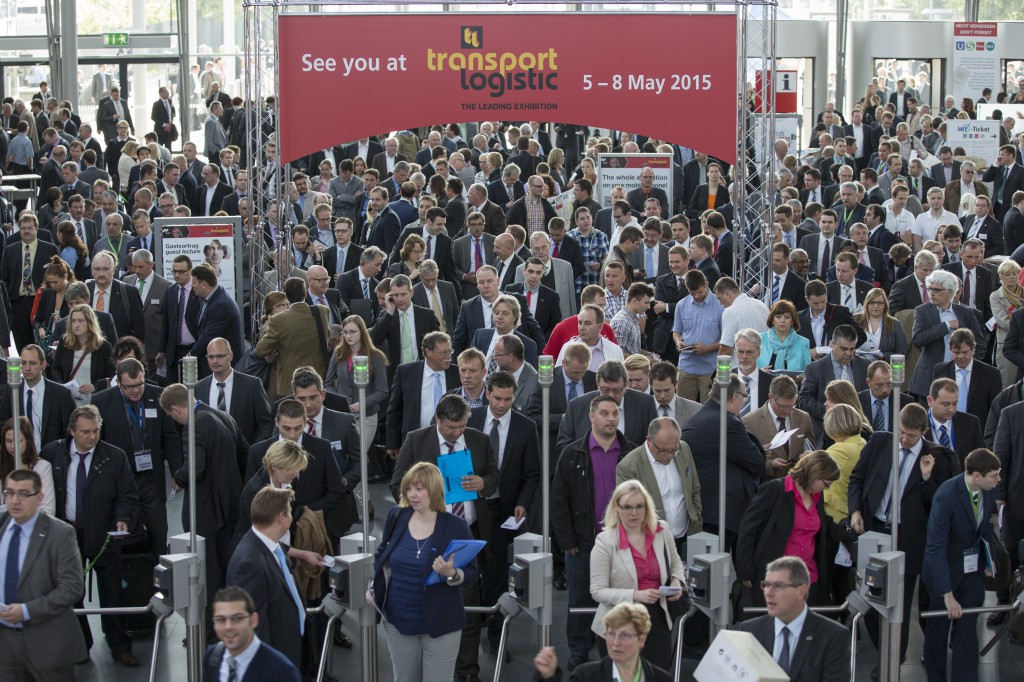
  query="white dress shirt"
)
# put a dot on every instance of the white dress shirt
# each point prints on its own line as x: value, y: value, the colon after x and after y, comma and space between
x: 469, y: 506
x: 229, y: 383
x: 796, y: 626
x: 38, y: 395
x: 504, y: 422
x: 485, y: 307
x: 673, y: 499
x: 242, y: 661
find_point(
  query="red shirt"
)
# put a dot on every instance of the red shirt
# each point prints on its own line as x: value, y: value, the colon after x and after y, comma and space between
x: 806, y: 524
x: 648, y: 572
x: 568, y: 328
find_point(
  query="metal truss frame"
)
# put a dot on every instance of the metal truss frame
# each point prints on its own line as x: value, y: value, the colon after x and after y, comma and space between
x: 754, y: 180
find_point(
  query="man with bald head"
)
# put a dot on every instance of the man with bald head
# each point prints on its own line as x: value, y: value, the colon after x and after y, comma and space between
x: 210, y: 193
x: 240, y: 395
x: 320, y: 292
x: 506, y: 261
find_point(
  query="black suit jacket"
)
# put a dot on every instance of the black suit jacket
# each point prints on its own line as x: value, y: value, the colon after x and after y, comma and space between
x: 508, y: 275
x: 101, y: 364
x: 497, y: 192
x: 793, y: 291
x: 268, y: 664
x: 220, y: 191
x: 985, y: 385
x: 817, y: 376
x: 422, y: 446
x: 636, y: 200
x: 1013, y: 229
x: 699, y: 202
x: 966, y: 437
x: 519, y: 473
x: 835, y: 291
x: 57, y: 407
x: 558, y: 404
x: 403, y: 415
x: 764, y: 381
x: 991, y: 232
x: 249, y: 406
x: 11, y: 265
x: 168, y: 343
x: 867, y: 402
x: 388, y: 330
x: 1014, y: 183
x: 985, y: 281
x: 161, y: 434
x: 337, y: 307
x: 110, y: 495
x: 125, y: 307
x: 1009, y: 444
x: 221, y: 319
x: 835, y: 315
x: 548, y: 311
x: 330, y: 257
x: 255, y: 569
x: 471, y: 318
x: 822, y: 654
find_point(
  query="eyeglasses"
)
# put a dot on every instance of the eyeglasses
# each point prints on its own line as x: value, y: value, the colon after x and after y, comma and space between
x: 236, y: 619
x: 179, y: 272
x: 775, y: 587
x: 935, y: 290
x: 219, y: 356
x: 632, y: 507
x: 20, y: 494
x: 625, y: 637
x: 129, y: 387
x: 827, y: 484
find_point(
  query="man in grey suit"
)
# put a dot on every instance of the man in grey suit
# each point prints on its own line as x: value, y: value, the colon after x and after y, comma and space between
x: 510, y: 356
x: 664, y: 381
x: 436, y: 294
x: 239, y: 395
x: 40, y: 639
x: 151, y: 288
x: 213, y: 133
x: 636, y: 409
x: 471, y: 252
x: 934, y: 322
x: 841, y: 363
x: 558, y: 274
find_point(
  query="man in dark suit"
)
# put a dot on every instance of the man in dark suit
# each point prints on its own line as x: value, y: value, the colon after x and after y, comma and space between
x: 820, y: 320
x: 360, y: 282
x: 148, y: 437
x: 910, y: 292
x: 266, y: 574
x: 757, y: 382
x: 210, y: 193
x: 871, y: 489
x: 344, y: 255
x: 507, y: 189
x: 1006, y: 177
x: 438, y: 243
x: 97, y: 478
x: 393, y: 325
x: 841, y: 363
x: 823, y: 246
x: 745, y: 459
x: 639, y: 408
x: 162, y: 116
x: 513, y: 439
x: 21, y: 282
x: 48, y: 414
x: 506, y: 260
x: 365, y: 147
x: 407, y: 410
x: 471, y: 252
x: 383, y: 225
x: 438, y: 295
x: 979, y: 383
x: 949, y: 427
x: 977, y: 281
x: 112, y: 111
x: 846, y: 290
x: 319, y: 292
x: 475, y: 313
x: 494, y: 215
x: 822, y: 646
x: 959, y: 528
x: 572, y: 380
x: 448, y: 435
x: 543, y: 300
x: 219, y: 316
x: 235, y: 620
x: 219, y: 450
x: 983, y: 227
x: 39, y: 638
x: 876, y: 400
x: 1013, y: 223
x: 239, y: 395
x: 389, y: 157
x: 526, y: 162
x: 180, y: 328
x: 936, y: 320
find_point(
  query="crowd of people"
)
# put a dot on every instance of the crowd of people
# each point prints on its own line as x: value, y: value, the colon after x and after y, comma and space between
x: 442, y: 261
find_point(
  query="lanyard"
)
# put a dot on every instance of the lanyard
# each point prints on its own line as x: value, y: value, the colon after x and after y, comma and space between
x: 847, y: 213
x: 119, y: 242
x: 139, y: 419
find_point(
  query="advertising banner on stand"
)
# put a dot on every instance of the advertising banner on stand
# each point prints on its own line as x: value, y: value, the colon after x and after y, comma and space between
x: 562, y: 203
x: 215, y: 241
x: 473, y: 67
x: 975, y: 59
x: 979, y: 139
x: 624, y: 169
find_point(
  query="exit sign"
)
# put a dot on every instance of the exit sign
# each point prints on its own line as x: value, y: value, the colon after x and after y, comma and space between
x: 115, y: 40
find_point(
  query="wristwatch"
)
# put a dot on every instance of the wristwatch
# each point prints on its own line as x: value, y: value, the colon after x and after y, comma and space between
x: 456, y: 578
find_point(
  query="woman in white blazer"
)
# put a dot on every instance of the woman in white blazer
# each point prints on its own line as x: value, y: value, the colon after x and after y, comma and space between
x: 632, y: 558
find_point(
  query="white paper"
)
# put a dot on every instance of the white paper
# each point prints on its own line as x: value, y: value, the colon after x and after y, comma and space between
x: 823, y: 350
x: 669, y: 590
x: 781, y: 438
x: 161, y: 371
x: 970, y: 563
x: 117, y: 533
x: 843, y: 556
x: 991, y: 324
x: 511, y: 524
x: 327, y: 561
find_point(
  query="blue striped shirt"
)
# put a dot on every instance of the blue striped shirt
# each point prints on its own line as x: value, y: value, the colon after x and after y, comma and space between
x: 698, y: 323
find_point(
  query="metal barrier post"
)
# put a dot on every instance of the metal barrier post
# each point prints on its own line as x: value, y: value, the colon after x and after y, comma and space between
x: 677, y: 675
x: 195, y: 638
x: 156, y: 645
x: 328, y: 642
x: 14, y: 380
x: 545, y: 377
x: 853, y: 644
x: 889, y: 654
x: 367, y: 618
x: 500, y: 660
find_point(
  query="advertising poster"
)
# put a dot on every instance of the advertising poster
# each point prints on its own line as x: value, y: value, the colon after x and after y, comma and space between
x: 562, y: 203
x: 975, y: 59
x: 980, y: 139
x: 624, y: 170
x: 202, y: 243
x: 508, y: 66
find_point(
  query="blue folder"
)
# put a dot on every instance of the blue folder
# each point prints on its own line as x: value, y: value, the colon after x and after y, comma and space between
x: 464, y: 551
x: 453, y: 467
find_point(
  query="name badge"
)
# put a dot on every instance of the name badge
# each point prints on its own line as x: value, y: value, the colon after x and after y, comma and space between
x: 154, y: 301
x: 970, y: 561
x: 150, y: 413
x: 336, y: 444
x: 144, y: 462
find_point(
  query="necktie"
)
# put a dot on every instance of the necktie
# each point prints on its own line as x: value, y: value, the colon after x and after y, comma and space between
x: 529, y: 298
x: 430, y: 254
x: 437, y: 387
x: 573, y: 391
x: 436, y: 305
x: 784, y: 654
x: 782, y: 428
x: 664, y: 410
x: 864, y: 258
x: 966, y: 299
x: 222, y: 400
x: 975, y: 505
x: 181, y: 312
x: 554, y: 253
x: 311, y: 427
x: 501, y: 269
x: 81, y: 477
x: 478, y: 257
x: 28, y: 408
x: 747, y: 401
x: 26, y: 272
x: 844, y: 373
x: 848, y: 298
x: 943, y: 436
x: 714, y: 249
x: 495, y: 437
x: 649, y: 261
x: 279, y: 553
x: 366, y: 289
x: 100, y: 301
x: 12, y: 572
x: 232, y: 669
x: 924, y: 293
x: 408, y: 355
x: 775, y: 289
x: 826, y: 255
x: 142, y: 285
x: 878, y: 419
x: 458, y: 508
x: 904, y: 457
x: 490, y: 316
x: 961, y: 401
x: 1002, y: 185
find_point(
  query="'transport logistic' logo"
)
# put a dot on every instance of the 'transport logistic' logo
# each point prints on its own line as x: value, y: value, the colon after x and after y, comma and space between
x: 496, y: 72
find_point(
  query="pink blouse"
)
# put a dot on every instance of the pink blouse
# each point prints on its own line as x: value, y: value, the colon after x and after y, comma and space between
x: 806, y: 525
x: 648, y: 572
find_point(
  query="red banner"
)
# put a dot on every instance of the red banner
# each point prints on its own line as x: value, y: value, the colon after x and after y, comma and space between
x: 667, y: 76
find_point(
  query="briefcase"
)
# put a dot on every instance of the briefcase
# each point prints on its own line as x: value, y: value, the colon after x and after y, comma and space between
x: 137, y: 589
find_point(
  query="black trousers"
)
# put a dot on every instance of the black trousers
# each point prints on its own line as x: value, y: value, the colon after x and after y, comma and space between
x: 1013, y: 533
x: 153, y: 510
x: 22, y: 326
x: 218, y: 554
x: 108, y: 582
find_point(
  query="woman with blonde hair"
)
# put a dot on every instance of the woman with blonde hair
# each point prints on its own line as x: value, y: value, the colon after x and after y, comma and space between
x: 83, y: 357
x: 1005, y: 301
x: 842, y: 392
x: 885, y: 333
x: 842, y: 425
x: 556, y: 161
x: 125, y: 162
x: 633, y: 557
x: 282, y: 464
x: 423, y: 624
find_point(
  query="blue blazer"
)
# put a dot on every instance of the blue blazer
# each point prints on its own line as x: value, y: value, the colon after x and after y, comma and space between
x: 268, y: 665
x: 221, y: 319
x: 951, y: 530
x: 482, y: 341
x: 442, y: 605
